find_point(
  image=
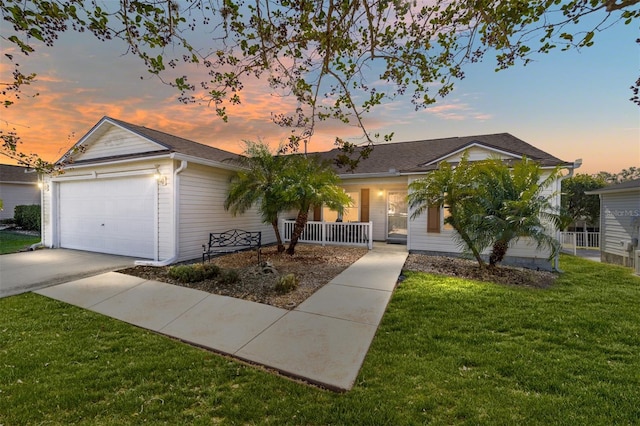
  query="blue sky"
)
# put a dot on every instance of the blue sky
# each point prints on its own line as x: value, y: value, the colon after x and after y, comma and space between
x: 570, y: 104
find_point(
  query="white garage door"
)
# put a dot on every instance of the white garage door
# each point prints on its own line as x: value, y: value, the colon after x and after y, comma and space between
x: 109, y: 216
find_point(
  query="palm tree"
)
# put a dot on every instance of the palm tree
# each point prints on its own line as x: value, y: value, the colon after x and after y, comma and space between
x: 491, y: 204
x: 259, y: 182
x: 517, y: 204
x: 310, y: 182
x: 456, y: 189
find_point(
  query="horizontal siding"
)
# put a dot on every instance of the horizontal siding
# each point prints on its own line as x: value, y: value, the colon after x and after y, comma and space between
x: 49, y: 212
x: 166, y: 234
x: 477, y: 154
x: 421, y: 240
x: 378, y: 213
x: 117, y: 141
x: 525, y: 247
x: 13, y: 194
x: 620, y: 221
x: 292, y: 214
x: 444, y: 242
x: 203, y: 191
x: 47, y: 215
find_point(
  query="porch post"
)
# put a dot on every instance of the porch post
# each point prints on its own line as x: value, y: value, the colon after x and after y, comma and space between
x: 323, y: 225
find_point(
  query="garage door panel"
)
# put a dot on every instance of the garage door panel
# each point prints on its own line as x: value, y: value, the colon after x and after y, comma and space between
x: 109, y: 215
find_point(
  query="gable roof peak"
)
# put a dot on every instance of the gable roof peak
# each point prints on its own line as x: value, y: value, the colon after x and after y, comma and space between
x: 166, y: 143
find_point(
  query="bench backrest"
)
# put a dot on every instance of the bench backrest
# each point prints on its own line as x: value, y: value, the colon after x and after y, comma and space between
x: 235, y: 238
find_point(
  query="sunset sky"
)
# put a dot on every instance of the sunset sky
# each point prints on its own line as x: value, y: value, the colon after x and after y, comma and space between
x: 570, y: 104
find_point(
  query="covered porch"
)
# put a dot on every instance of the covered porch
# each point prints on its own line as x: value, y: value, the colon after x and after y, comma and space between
x: 336, y: 233
x: 379, y: 213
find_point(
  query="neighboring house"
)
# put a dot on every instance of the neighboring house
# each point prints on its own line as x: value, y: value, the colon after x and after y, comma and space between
x: 18, y: 187
x: 619, y: 222
x: 379, y: 187
x: 134, y: 191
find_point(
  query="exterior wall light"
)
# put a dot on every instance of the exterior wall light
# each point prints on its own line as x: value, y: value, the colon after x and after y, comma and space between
x: 162, y: 180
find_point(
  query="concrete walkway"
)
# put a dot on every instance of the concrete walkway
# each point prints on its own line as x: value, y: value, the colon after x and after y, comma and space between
x: 324, y: 340
x: 593, y: 255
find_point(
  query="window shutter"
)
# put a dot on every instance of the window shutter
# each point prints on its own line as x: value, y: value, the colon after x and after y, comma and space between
x: 433, y: 219
x: 317, y: 213
x: 364, y: 205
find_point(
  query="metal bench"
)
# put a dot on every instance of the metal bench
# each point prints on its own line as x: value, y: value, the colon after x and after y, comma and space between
x: 231, y: 241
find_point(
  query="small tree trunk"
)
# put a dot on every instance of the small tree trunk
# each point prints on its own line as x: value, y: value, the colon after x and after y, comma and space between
x: 498, y: 252
x: 301, y: 221
x: 479, y: 259
x: 470, y: 244
x: 278, y: 238
x: 473, y: 249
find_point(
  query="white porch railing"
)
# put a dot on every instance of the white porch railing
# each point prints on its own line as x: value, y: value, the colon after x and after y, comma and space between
x: 579, y: 240
x: 338, y: 233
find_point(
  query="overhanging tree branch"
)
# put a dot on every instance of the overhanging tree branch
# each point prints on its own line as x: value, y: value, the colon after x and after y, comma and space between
x: 357, y: 54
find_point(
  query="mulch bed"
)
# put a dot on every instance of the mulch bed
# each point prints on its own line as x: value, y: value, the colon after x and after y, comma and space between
x: 465, y: 268
x: 315, y: 266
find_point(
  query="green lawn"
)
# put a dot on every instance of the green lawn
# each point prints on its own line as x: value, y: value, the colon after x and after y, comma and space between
x: 449, y: 351
x: 11, y: 242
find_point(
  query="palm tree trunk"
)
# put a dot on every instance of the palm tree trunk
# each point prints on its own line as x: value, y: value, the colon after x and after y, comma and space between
x: 498, y: 252
x: 301, y: 222
x: 470, y: 244
x: 276, y: 229
x: 476, y: 254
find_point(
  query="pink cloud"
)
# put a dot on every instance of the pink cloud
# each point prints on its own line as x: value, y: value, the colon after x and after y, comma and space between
x: 456, y: 110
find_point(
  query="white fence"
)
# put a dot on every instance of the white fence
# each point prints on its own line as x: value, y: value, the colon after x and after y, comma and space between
x: 579, y: 240
x: 338, y: 233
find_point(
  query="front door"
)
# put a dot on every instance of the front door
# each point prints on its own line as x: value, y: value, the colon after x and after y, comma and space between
x: 397, y: 217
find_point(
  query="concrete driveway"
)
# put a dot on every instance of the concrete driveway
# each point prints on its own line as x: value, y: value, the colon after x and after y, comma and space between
x: 27, y: 271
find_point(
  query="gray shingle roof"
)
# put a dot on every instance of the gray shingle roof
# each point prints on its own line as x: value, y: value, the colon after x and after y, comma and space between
x: 177, y: 144
x: 11, y: 173
x: 415, y: 156
x: 630, y: 184
x: 170, y: 143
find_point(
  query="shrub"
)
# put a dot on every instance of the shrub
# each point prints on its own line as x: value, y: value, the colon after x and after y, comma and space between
x: 194, y: 273
x: 229, y: 276
x: 185, y: 273
x: 28, y: 217
x: 286, y: 284
x: 209, y: 270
